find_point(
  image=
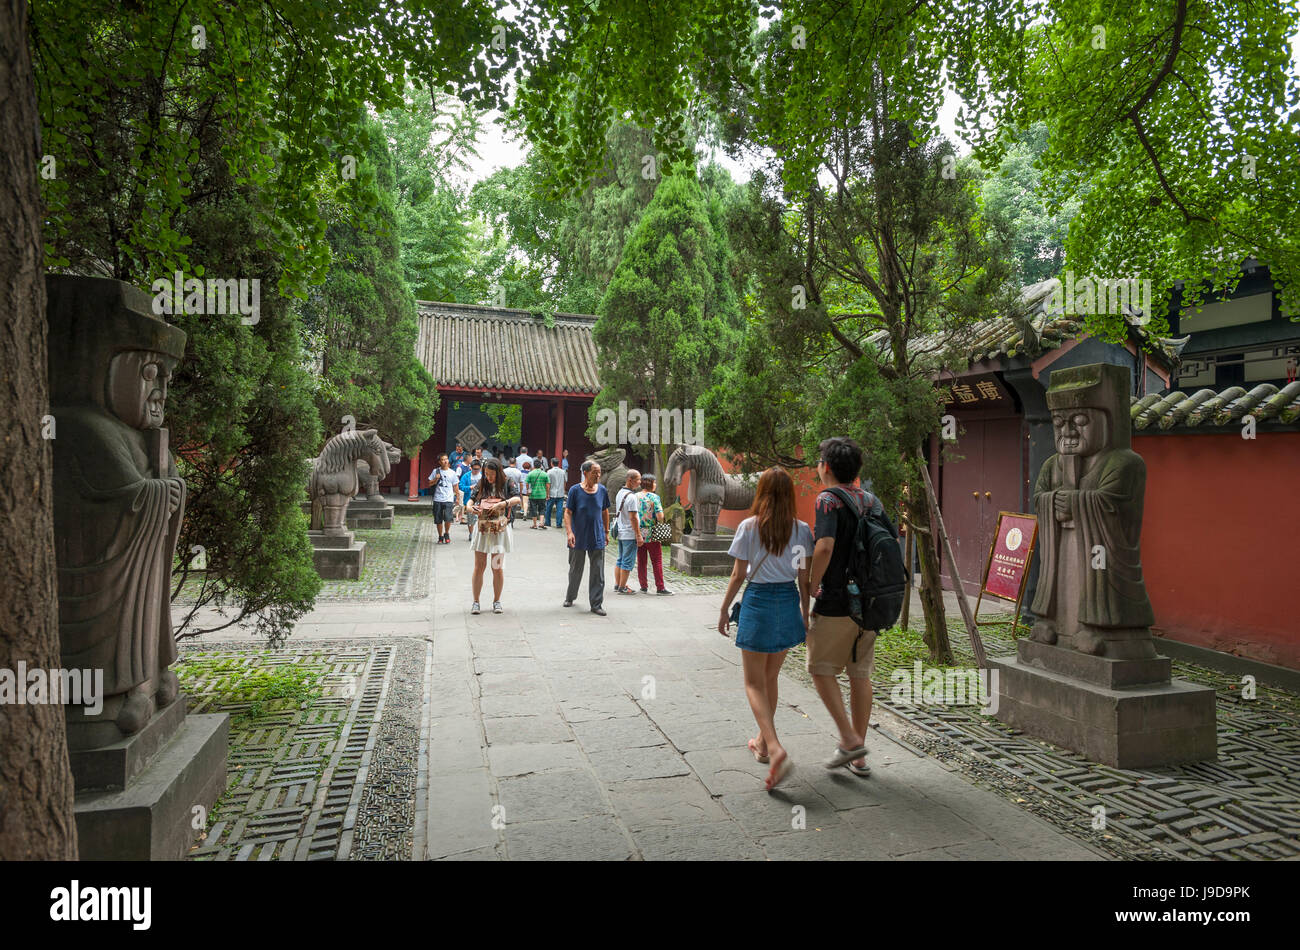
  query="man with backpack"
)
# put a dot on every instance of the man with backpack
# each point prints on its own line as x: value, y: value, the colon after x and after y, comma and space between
x: 857, y: 572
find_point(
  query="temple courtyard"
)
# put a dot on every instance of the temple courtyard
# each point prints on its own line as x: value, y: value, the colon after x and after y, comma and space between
x: 394, y: 725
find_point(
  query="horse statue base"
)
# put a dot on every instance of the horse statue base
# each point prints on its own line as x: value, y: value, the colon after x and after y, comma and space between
x: 703, y: 555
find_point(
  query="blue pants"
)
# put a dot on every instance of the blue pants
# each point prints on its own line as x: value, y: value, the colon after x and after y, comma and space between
x: 556, y: 505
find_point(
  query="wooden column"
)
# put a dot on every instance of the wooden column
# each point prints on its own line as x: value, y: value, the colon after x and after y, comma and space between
x: 414, y: 493
x: 559, y: 431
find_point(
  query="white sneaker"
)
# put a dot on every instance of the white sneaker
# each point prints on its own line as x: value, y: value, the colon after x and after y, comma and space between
x: 474, y: 607
x: 496, y: 607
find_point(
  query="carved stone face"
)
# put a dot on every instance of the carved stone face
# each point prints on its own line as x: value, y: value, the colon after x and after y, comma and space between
x: 1080, y: 432
x: 137, y: 388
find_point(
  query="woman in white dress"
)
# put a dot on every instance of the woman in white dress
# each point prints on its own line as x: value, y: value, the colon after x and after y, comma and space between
x: 493, y: 497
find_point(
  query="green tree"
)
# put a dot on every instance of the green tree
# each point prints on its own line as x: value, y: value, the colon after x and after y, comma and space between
x: 668, y: 314
x: 880, y: 248
x: 1014, y: 192
x: 363, y: 315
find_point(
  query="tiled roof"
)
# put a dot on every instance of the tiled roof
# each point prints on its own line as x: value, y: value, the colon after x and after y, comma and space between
x: 493, y: 348
x: 1000, y: 337
x: 1207, y: 408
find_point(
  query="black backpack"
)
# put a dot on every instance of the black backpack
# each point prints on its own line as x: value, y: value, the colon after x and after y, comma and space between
x: 875, y: 568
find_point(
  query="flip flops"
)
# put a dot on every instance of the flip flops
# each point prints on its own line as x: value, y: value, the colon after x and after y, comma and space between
x: 842, y: 757
x: 760, y: 757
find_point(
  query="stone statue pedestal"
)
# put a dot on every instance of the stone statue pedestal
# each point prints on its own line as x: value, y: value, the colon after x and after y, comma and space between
x: 337, y: 556
x: 135, y: 798
x: 1128, y: 714
x: 369, y: 513
x: 703, y: 555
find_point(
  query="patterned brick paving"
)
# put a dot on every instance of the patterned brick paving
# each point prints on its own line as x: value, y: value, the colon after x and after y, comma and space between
x: 1244, y: 805
x: 314, y: 783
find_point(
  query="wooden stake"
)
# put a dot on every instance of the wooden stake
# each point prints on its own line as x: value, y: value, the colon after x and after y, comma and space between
x: 976, y: 643
x: 907, y: 561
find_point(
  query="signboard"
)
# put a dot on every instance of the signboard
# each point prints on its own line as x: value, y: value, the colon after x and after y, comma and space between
x: 976, y: 392
x: 1007, y: 568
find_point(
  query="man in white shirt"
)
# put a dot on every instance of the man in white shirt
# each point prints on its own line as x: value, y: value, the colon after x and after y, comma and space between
x: 444, y: 482
x: 628, y: 529
x: 522, y: 457
x: 559, y: 488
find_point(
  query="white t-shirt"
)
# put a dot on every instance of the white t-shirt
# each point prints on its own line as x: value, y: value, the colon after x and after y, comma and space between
x: 521, y: 458
x: 445, y: 489
x: 625, y: 509
x: 776, y: 568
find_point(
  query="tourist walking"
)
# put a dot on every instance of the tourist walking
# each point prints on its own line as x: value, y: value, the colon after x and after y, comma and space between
x: 492, y: 501
x: 523, y: 457
x: 557, y: 490
x: 443, y: 481
x: 770, y: 548
x: 836, y: 644
x: 628, y: 530
x: 467, y: 483
x: 586, y: 526
x: 538, y: 483
x: 651, y: 511
x: 515, y: 477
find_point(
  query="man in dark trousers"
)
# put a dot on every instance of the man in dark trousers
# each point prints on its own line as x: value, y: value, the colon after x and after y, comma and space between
x: 586, y: 525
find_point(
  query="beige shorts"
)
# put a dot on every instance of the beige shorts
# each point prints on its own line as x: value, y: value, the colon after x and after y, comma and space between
x: 830, y: 647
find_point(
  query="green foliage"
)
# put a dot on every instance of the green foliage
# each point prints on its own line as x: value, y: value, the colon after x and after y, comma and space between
x: 509, y: 419
x: 431, y: 138
x: 363, y: 316
x: 1014, y: 193
x: 670, y: 313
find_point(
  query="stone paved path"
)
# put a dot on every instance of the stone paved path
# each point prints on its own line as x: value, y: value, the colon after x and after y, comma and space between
x: 553, y: 734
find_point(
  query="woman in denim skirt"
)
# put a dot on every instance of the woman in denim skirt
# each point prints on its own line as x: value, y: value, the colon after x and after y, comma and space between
x: 772, y: 547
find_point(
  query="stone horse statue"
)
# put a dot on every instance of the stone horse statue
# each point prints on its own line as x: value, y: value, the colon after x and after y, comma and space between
x: 613, y: 467
x: 711, y: 489
x: 335, y: 479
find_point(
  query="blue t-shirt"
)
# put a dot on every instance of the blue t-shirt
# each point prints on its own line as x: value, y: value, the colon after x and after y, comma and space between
x: 585, y: 516
x: 467, y: 483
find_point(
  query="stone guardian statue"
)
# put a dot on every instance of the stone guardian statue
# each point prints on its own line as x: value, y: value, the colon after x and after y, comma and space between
x: 1088, y: 498
x: 118, y: 499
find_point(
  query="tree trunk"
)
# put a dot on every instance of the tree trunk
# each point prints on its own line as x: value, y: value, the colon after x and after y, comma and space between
x: 36, y: 821
x: 931, y: 591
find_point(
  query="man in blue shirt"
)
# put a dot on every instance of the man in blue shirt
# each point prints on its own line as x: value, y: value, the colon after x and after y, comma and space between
x: 467, y: 483
x: 586, y: 525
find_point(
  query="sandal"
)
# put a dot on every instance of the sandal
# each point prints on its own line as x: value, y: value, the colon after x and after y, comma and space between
x: 760, y: 757
x: 842, y: 757
x: 860, y: 770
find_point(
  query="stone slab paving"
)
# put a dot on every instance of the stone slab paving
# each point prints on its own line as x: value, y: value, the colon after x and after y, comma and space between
x: 555, y: 734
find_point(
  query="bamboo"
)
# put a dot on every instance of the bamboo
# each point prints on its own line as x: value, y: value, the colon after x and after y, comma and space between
x: 977, y: 645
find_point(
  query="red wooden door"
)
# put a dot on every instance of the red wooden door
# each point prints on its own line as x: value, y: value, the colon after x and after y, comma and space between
x: 975, y: 488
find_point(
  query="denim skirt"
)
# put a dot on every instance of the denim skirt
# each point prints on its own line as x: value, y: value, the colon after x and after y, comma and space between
x: 770, y: 618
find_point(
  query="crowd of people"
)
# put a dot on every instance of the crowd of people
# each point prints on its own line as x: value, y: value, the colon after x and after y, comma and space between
x: 795, y: 575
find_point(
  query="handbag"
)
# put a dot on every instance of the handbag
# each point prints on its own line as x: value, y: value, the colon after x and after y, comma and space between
x: 494, y: 521
x: 734, y: 616
x: 660, y: 531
